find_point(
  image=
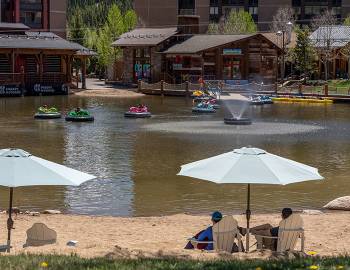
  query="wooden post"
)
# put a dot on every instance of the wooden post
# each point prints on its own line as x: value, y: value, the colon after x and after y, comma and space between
x: 276, y: 87
x: 41, y: 67
x: 162, y: 88
x: 83, y: 73
x: 300, y: 90
x: 187, y: 94
x: 139, y: 86
x: 13, y: 65
x: 326, y: 90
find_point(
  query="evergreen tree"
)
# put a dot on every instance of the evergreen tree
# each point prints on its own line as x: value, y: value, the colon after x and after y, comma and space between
x: 76, y: 30
x: 304, y: 54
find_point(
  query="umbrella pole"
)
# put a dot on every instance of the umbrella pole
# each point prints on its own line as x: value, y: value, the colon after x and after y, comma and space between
x: 9, y: 222
x: 248, y: 213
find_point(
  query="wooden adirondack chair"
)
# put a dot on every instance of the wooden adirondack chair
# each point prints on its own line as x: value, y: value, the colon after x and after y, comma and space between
x: 224, y: 234
x: 290, y: 230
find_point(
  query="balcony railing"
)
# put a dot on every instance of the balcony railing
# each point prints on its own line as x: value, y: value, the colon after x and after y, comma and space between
x: 187, y: 12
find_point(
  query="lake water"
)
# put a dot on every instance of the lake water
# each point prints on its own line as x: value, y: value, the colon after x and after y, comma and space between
x: 136, y: 160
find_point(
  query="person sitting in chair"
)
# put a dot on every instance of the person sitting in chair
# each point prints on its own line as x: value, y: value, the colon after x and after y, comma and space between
x: 207, y: 236
x: 269, y: 230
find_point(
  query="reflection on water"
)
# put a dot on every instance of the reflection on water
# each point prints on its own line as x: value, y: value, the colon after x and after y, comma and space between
x: 137, y: 165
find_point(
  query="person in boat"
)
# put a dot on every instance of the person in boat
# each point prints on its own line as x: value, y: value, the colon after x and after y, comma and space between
x: 207, y: 235
x: 269, y: 230
x: 77, y: 110
x: 43, y: 109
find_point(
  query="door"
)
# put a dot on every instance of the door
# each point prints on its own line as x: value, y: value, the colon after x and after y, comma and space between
x: 232, y: 68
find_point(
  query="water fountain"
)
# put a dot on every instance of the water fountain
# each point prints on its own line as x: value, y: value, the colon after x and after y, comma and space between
x: 237, y: 109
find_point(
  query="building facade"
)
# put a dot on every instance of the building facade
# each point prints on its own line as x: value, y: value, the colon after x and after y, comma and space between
x: 154, y: 54
x: 39, y: 15
x: 157, y: 13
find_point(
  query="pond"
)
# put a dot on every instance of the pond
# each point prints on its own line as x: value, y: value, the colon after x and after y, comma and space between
x: 136, y: 160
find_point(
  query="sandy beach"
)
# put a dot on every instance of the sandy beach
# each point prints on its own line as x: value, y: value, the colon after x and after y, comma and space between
x: 326, y: 234
x: 98, y: 88
x: 118, y: 93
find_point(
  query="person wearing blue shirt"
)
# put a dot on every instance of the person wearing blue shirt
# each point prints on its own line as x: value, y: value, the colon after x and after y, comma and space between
x: 206, y: 235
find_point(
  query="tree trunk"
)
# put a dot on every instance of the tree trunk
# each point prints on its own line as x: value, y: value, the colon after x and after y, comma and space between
x: 326, y: 70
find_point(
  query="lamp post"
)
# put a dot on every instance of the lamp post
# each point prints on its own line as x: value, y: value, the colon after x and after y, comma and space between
x: 282, y: 33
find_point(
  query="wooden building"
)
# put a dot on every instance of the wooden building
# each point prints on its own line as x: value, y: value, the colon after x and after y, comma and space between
x: 170, y: 55
x: 141, y: 58
x: 224, y: 57
x: 34, y: 63
x: 332, y: 45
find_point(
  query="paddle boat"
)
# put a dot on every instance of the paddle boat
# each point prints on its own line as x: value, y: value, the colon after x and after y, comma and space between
x: 140, y: 111
x: 198, y: 93
x: 266, y: 99
x: 302, y: 100
x: 212, y: 101
x: 256, y: 100
x: 204, y: 107
x: 79, y: 115
x: 44, y: 112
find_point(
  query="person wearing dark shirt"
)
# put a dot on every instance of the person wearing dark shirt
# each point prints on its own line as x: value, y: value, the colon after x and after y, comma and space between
x: 269, y: 230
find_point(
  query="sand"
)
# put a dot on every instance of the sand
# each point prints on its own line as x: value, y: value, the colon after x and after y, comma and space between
x: 326, y: 234
x: 117, y: 93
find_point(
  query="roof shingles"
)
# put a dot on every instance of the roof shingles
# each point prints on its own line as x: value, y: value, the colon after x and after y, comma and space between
x: 37, y: 40
x: 201, y: 43
x: 145, y: 37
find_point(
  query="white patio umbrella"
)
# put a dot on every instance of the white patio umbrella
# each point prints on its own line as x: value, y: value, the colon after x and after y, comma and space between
x: 19, y: 169
x: 250, y: 166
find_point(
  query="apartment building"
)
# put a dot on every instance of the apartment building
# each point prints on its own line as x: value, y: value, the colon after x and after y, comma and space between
x: 157, y: 13
x: 39, y: 15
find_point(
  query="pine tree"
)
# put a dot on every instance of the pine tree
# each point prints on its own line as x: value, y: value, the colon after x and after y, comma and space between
x: 76, y: 30
x: 304, y: 54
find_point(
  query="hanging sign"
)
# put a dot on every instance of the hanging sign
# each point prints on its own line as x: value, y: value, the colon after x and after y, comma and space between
x: 232, y: 51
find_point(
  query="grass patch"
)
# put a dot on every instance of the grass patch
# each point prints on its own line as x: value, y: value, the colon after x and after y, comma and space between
x: 29, y: 262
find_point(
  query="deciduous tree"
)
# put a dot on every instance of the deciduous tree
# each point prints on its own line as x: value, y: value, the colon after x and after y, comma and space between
x: 323, y: 38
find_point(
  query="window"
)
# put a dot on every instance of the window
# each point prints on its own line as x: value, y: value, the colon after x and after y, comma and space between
x: 315, y: 10
x: 232, y: 2
x: 31, y: 13
x: 254, y: 3
x: 7, y: 11
x: 253, y: 10
x: 228, y: 10
x: 186, y: 7
x: 214, y: 10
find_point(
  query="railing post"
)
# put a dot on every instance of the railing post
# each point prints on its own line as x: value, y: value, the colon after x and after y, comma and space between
x: 139, y: 89
x: 326, y: 90
x: 300, y: 89
x: 162, y: 88
x: 276, y: 88
x: 187, y: 89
